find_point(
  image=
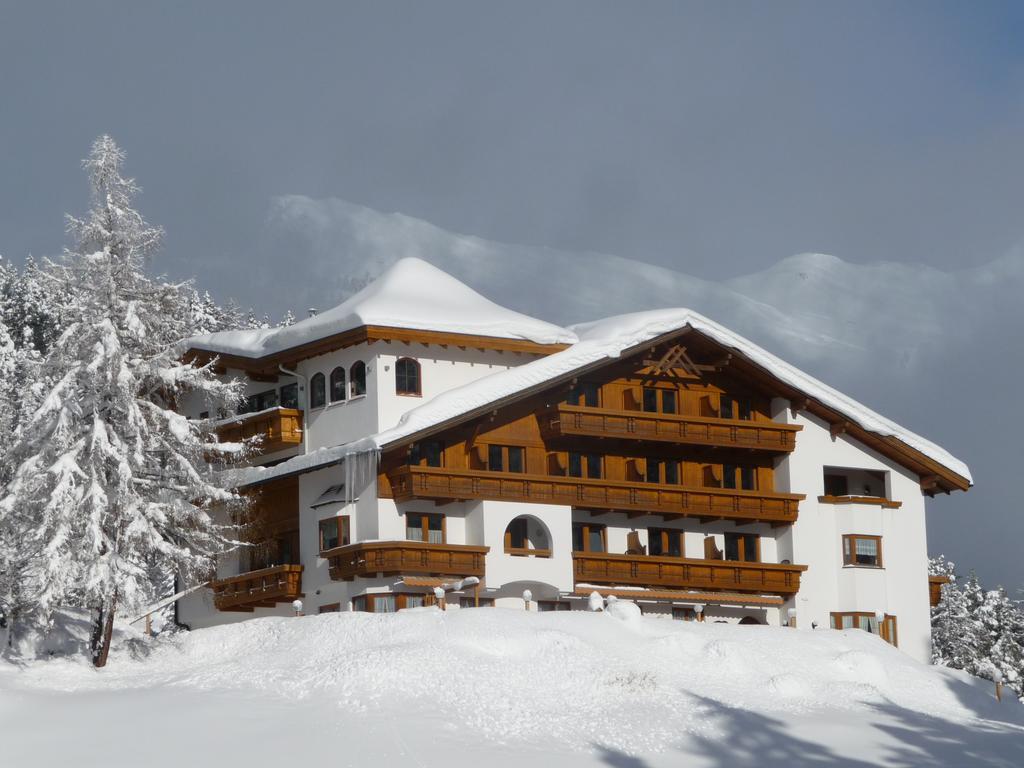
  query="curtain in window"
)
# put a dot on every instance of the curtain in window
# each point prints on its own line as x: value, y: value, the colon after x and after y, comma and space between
x: 867, y: 549
x: 435, y: 537
x: 384, y: 604
x: 414, y: 601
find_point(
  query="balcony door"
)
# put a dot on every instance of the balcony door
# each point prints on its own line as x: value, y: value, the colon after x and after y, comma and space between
x: 743, y: 547
x: 588, y: 537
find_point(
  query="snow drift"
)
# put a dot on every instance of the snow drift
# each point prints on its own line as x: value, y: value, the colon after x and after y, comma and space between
x: 428, y: 688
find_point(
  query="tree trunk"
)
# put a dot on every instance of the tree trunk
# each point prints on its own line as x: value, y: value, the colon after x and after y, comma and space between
x: 102, y: 631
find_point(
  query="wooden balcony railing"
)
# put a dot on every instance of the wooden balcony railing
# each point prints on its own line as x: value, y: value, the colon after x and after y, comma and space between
x: 685, y: 573
x: 258, y: 589
x: 578, y: 421
x: 395, y: 558
x: 409, y: 483
x: 280, y: 428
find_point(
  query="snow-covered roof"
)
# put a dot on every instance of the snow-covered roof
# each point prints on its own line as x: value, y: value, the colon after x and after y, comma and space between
x: 600, y: 341
x: 411, y: 294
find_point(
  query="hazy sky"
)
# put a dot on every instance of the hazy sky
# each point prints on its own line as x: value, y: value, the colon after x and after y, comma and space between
x: 713, y: 138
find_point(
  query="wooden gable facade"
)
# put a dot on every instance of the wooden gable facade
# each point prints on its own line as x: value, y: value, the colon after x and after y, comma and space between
x: 672, y: 429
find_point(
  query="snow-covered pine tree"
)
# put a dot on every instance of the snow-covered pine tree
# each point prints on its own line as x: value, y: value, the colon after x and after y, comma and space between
x: 288, y: 319
x: 108, y: 473
x: 34, y: 303
x: 1003, y: 630
x: 955, y: 636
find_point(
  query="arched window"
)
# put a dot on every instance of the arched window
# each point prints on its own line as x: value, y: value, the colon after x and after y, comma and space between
x: 338, y: 385
x: 317, y: 391
x: 357, y: 378
x: 526, y: 536
x: 407, y: 377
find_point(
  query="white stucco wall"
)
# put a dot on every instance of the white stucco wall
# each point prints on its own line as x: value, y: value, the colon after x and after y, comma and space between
x: 900, y: 586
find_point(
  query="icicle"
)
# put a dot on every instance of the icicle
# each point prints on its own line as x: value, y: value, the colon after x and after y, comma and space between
x: 360, y: 470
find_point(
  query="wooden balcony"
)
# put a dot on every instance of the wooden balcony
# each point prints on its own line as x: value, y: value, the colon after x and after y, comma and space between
x: 280, y: 428
x: 935, y: 589
x: 399, y: 558
x: 637, y: 499
x: 579, y: 421
x: 686, y: 573
x: 264, y: 588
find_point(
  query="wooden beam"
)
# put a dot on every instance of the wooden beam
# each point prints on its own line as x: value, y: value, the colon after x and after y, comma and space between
x: 838, y: 428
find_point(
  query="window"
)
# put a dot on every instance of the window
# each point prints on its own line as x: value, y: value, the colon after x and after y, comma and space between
x: 407, y: 377
x: 862, y: 550
x: 553, y: 605
x: 526, y: 536
x: 665, y: 542
x: 744, y: 547
x: 666, y: 472
x: 506, y: 458
x: 584, y: 393
x: 389, y: 603
x: 836, y: 485
x: 588, y: 537
x: 684, y: 614
x: 660, y: 400
x: 338, y: 389
x: 584, y: 465
x: 735, y: 408
x: 290, y: 395
x: 474, y: 602
x: 357, y: 376
x: 737, y: 477
x: 429, y: 453
x: 260, y: 401
x: 329, y: 608
x: 424, y: 526
x: 317, y: 391
x: 334, y: 532
x: 868, y: 622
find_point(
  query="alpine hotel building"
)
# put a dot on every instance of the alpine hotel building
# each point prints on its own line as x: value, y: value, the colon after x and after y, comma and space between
x: 418, y: 435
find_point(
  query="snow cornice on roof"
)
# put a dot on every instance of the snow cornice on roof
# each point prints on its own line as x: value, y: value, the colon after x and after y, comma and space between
x: 615, y: 337
x: 411, y: 301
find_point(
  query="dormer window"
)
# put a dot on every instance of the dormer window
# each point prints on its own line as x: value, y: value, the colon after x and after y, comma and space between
x: 317, y: 391
x: 357, y: 378
x: 660, y: 400
x: 407, y: 377
x: 338, y: 389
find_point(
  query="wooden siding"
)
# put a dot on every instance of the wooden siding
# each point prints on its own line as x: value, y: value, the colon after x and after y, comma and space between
x: 935, y: 589
x: 258, y: 589
x: 445, y: 484
x: 280, y: 428
x: 685, y: 573
x: 395, y: 558
x: 579, y: 421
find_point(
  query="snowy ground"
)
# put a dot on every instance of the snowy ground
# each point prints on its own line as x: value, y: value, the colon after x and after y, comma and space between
x: 502, y: 688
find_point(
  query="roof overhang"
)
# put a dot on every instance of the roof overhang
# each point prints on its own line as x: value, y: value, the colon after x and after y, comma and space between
x: 270, y: 365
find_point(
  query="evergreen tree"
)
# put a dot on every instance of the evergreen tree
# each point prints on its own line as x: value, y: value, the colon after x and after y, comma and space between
x: 955, y: 637
x: 288, y: 319
x: 108, y: 475
x: 1003, y: 632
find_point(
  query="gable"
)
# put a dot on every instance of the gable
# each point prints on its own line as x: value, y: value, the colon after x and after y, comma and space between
x: 702, y: 371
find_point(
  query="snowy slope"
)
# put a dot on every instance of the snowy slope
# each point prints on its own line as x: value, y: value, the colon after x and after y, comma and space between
x: 504, y: 688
